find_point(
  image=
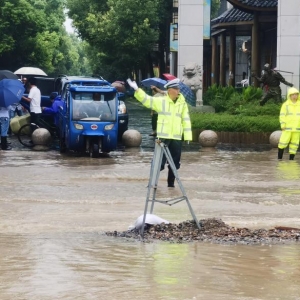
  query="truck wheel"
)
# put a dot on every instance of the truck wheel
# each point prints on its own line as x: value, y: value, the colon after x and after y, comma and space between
x: 62, y: 145
x: 94, y: 151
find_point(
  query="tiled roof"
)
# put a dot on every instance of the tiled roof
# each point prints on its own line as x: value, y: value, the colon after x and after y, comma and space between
x: 260, y: 3
x: 232, y: 15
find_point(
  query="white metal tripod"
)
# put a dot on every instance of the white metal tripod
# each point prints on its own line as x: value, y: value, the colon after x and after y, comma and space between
x: 160, y: 150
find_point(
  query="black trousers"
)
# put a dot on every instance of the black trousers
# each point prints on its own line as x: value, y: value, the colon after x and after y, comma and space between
x: 175, y: 151
x: 34, y: 118
x: 154, y: 121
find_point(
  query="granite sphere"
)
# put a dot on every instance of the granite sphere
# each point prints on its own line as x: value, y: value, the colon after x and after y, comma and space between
x: 274, y: 138
x: 208, y: 138
x: 131, y: 138
x: 41, y: 136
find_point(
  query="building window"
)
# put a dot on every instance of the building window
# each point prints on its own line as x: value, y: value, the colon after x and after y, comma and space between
x: 175, y: 3
x: 175, y: 17
x: 175, y: 33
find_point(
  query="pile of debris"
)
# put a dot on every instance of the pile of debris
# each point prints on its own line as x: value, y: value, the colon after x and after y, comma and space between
x: 212, y: 230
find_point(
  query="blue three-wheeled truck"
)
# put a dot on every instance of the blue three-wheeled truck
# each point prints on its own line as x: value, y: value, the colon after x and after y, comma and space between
x: 88, y: 119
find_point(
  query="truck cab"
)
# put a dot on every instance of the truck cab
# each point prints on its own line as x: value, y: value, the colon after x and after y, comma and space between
x: 88, y: 119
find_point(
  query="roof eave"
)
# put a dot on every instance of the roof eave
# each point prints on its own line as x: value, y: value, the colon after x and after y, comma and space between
x: 249, y: 8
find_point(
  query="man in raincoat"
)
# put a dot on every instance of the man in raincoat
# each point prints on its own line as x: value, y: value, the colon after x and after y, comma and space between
x: 173, y: 120
x: 54, y: 109
x: 290, y: 124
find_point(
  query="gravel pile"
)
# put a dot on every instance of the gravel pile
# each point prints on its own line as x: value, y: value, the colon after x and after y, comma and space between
x: 212, y: 230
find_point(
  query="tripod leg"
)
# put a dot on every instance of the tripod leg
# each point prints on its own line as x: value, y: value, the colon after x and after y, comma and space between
x: 153, y: 180
x: 173, y: 168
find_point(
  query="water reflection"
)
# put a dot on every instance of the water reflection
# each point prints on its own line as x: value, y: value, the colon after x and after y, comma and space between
x: 92, y: 266
x: 289, y: 172
x: 54, y: 209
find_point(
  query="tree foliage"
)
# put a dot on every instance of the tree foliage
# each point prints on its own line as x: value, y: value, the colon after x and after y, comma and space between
x: 215, y: 6
x: 32, y: 34
x: 122, y: 33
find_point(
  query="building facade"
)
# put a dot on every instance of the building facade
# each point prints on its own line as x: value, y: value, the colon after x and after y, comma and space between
x: 269, y: 28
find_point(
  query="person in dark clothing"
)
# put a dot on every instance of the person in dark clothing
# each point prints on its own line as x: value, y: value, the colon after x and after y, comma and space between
x: 272, y: 80
x: 53, y: 110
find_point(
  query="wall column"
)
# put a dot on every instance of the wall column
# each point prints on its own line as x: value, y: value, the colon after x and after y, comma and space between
x: 214, y: 58
x: 288, y: 42
x: 254, y: 50
x: 223, y: 59
x: 232, y: 55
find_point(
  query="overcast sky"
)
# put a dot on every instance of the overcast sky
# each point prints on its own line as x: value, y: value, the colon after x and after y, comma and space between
x: 68, y: 25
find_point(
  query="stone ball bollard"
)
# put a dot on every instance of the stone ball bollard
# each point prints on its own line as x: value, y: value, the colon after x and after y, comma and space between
x: 131, y: 138
x: 41, y: 139
x: 208, y: 138
x: 274, y: 138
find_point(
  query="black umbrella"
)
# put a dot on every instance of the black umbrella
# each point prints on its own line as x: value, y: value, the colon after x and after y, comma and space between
x: 7, y: 74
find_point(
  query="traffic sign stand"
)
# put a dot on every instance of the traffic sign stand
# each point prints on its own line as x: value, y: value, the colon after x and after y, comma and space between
x: 160, y: 150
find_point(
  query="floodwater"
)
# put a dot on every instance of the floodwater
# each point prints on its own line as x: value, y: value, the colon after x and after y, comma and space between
x: 54, y: 210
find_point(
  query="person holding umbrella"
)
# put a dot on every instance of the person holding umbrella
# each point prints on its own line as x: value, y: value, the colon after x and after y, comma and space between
x: 4, y: 125
x: 11, y: 91
x: 173, y: 120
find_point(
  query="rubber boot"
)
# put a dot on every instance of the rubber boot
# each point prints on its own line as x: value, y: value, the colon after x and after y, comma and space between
x: 280, y: 153
x: 4, y: 145
x: 292, y: 156
x: 8, y: 143
x: 171, y: 178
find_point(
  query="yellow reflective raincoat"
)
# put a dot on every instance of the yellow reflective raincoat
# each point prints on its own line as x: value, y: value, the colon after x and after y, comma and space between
x: 290, y: 123
x: 173, y: 117
x: 289, y: 117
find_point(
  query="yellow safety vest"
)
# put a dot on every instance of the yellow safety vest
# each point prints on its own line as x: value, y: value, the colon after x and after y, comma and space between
x: 173, y: 117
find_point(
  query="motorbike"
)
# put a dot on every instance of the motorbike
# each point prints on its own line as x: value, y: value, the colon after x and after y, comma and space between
x: 88, y: 119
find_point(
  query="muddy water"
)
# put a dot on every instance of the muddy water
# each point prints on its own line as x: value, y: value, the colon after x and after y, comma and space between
x: 54, y: 210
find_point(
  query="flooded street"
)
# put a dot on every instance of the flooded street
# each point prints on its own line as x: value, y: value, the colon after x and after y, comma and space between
x: 54, y: 210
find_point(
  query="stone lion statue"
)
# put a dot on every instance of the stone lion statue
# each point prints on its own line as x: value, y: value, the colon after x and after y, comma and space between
x: 192, y: 77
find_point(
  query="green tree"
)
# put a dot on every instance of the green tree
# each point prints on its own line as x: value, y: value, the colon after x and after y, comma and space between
x: 32, y: 34
x: 122, y: 32
x: 215, y: 6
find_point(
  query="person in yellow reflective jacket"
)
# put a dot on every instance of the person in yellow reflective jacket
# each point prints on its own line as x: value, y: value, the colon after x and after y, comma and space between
x: 173, y: 120
x: 290, y: 124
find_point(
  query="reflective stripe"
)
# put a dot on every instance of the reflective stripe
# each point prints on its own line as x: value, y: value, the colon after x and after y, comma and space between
x: 151, y: 102
x: 145, y: 99
x: 163, y: 134
x: 163, y: 105
x: 187, y: 129
x: 283, y: 144
x: 177, y: 136
x: 186, y: 119
x: 178, y: 115
x: 288, y: 128
x: 165, y: 113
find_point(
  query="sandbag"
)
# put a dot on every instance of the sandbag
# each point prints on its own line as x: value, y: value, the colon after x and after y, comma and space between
x: 150, y: 219
x: 18, y: 121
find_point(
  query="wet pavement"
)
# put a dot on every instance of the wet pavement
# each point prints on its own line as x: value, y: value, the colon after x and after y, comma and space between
x: 55, y: 210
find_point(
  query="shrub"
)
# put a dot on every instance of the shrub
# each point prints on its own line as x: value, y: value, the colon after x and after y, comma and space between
x: 217, y: 96
x: 243, y: 102
x: 234, y: 123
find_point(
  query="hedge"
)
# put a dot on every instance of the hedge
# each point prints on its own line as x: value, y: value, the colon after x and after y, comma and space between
x: 234, y: 123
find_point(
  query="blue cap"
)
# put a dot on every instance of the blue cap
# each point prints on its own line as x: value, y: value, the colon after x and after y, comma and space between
x: 172, y: 84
